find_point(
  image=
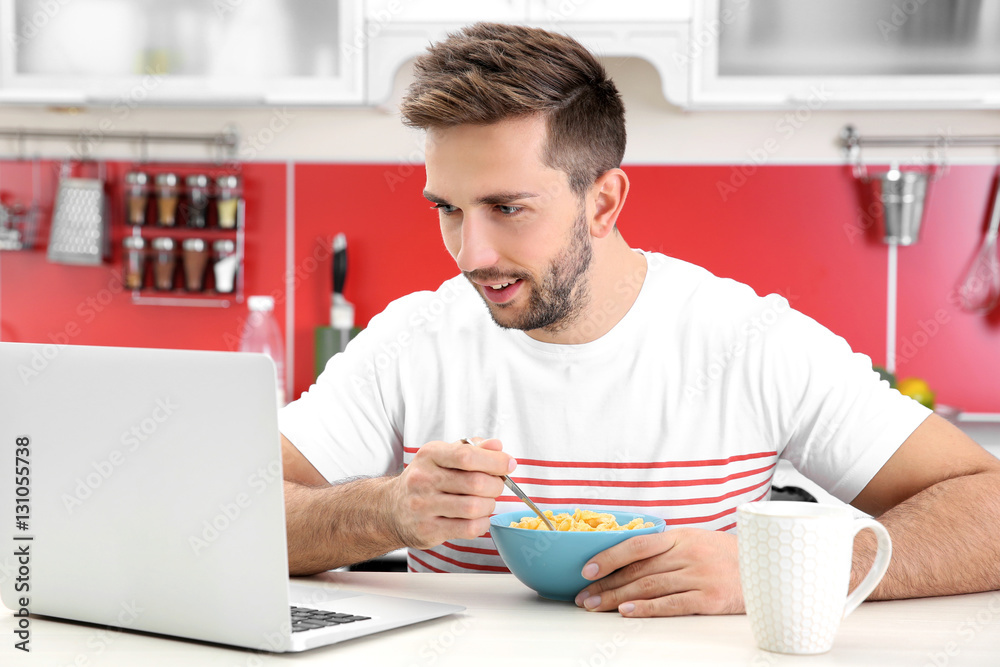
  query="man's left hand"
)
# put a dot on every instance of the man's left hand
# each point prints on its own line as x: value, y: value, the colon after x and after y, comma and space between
x: 674, y: 573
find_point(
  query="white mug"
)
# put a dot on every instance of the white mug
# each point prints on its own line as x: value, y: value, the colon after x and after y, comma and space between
x: 795, y: 568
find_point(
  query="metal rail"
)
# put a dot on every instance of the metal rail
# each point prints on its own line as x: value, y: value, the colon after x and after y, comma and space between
x: 227, y: 141
x: 852, y: 141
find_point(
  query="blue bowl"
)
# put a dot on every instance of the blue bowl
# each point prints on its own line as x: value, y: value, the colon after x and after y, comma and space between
x: 550, y: 562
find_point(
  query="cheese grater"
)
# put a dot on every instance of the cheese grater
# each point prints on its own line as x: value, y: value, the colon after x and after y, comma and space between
x: 79, y: 229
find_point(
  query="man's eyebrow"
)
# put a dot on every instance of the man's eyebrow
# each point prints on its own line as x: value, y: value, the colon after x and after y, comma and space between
x: 504, y: 197
x: 495, y: 198
x: 433, y: 198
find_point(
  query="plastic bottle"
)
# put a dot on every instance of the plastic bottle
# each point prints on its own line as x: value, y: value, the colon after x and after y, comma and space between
x: 261, y: 334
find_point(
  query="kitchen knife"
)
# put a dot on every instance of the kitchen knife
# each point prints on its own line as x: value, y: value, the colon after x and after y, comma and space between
x: 341, y: 310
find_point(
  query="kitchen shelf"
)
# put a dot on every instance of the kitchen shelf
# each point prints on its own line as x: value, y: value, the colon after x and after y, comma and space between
x: 151, y: 297
x: 181, y: 297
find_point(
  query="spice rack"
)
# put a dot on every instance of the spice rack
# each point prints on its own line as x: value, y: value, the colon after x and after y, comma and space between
x: 185, y: 247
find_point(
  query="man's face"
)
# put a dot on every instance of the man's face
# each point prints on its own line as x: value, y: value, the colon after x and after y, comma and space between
x: 513, y: 225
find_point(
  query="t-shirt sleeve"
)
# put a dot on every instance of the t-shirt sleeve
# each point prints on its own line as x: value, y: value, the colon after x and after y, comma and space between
x: 840, y: 422
x: 348, y: 423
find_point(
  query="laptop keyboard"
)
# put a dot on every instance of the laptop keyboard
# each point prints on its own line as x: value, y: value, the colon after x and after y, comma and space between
x: 304, y: 618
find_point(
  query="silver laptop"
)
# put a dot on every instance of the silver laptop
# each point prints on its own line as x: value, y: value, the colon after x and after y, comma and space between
x: 149, y: 496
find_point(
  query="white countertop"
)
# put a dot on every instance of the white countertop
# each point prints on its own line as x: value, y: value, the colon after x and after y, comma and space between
x: 507, y: 624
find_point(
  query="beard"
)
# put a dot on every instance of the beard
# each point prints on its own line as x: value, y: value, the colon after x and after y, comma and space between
x: 558, y: 298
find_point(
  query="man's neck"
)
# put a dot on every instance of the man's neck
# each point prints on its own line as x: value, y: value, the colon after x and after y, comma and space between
x: 615, y: 279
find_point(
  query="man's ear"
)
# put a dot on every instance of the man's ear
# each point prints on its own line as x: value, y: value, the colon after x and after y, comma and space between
x: 608, y: 195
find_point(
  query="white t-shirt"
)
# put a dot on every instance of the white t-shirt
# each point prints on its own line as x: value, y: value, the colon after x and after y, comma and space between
x: 680, y: 411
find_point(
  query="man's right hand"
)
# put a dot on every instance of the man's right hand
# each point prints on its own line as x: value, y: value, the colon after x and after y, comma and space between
x: 448, y: 491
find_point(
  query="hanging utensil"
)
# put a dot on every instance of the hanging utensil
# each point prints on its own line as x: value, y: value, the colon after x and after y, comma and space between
x: 79, y: 220
x: 902, y: 195
x: 981, y: 288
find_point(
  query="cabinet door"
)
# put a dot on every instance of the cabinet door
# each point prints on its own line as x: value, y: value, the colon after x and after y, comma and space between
x: 184, y: 51
x: 878, y: 54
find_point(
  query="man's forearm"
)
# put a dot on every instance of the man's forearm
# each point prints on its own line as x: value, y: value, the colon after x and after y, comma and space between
x: 945, y: 541
x: 333, y: 526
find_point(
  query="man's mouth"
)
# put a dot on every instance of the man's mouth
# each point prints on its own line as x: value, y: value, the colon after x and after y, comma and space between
x: 502, y: 292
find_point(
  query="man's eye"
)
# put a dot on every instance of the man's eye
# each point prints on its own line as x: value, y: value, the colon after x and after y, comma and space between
x: 508, y: 210
x: 444, y: 208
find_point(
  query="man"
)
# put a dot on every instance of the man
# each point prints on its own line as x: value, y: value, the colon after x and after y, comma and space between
x: 600, y: 376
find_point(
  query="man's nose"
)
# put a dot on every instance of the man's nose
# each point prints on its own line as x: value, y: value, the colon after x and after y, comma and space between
x: 478, y: 249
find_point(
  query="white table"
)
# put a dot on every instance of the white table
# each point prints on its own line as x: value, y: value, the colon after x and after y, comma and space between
x: 507, y: 624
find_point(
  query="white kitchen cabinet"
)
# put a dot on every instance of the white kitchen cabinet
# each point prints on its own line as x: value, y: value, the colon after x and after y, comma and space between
x: 132, y: 52
x: 752, y: 54
x: 629, y: 28
x: 855, y: 54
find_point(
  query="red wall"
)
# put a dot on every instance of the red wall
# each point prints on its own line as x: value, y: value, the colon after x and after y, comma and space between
x: 801, y: 231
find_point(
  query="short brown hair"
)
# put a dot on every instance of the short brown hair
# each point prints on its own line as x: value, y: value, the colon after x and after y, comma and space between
x: 490, y: 72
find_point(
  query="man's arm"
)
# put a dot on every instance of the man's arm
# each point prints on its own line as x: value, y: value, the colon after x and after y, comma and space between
x: 447, y: 491
x: 938, y: 495
x: 939, y: 498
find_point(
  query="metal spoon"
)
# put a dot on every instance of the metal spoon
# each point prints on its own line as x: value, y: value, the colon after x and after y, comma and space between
x: 981, y: 288
x: 509, y: 483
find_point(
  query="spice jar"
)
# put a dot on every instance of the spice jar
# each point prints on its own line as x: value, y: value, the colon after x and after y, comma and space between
x: 195, y: 254
x: 195, y: 207
x: 226, y: 265
x: 134, y: 262
x: 164, y: 263
x: 136, y: 197
x: 167, y: 193
x: 227, y: 201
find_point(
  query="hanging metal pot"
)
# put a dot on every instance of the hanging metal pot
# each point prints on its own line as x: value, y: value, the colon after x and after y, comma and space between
x: 902, y: 195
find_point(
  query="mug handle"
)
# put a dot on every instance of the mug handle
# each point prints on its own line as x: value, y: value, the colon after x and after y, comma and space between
x: 878, y: 568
